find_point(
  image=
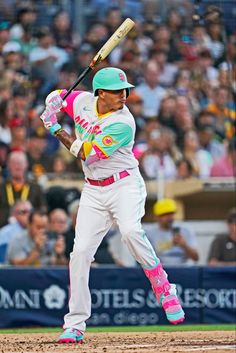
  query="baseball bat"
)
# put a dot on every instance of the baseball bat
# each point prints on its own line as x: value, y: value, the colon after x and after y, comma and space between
x: 110, y: 44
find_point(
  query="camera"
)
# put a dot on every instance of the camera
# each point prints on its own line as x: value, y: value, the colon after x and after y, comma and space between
x: 175, y: 230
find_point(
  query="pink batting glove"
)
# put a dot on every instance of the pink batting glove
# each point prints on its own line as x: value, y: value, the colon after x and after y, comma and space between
x: 54, y: 101
x: 48, y: 117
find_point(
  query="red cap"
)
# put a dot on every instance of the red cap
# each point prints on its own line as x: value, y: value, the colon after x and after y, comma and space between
x: 16, y: 122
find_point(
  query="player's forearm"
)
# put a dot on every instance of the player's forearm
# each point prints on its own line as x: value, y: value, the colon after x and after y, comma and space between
x: 67, y: 140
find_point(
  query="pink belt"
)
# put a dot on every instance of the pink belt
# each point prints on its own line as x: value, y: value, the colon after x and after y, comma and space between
x: 108, y: 181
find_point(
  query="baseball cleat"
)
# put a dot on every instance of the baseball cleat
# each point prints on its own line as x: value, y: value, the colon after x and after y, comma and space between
x: 71, y: 335
x: 173, y: 309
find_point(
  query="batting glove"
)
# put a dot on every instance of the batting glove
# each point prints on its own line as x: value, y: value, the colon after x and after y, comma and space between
x: 54, y: 101
x: 49, y: 120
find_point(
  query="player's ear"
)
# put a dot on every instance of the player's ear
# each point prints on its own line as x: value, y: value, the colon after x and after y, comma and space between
x: 101, y: 93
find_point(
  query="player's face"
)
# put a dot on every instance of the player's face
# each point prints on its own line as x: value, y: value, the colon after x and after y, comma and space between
x: 113, y: 100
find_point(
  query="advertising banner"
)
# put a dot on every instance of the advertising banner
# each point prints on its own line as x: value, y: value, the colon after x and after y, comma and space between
x: 39, y: 297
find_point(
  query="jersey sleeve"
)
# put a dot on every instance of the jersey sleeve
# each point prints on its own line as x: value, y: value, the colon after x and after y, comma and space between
x: 105, y: 144
x: 70, y: 101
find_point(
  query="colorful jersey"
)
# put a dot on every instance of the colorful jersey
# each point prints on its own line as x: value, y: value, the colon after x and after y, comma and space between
x: 111, y: 136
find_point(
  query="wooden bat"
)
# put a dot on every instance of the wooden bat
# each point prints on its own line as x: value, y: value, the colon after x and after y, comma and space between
x: 110, y: 44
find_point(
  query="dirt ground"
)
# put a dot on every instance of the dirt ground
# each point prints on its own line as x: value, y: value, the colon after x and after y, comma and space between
x: 135, y: 342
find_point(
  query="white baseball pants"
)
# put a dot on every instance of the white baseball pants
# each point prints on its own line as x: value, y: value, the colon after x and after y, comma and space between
x: 122, y: 201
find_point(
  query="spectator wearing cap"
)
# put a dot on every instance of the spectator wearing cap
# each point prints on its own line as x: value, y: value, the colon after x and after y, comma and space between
x: 19, y: 216
x: 225, y: 166
x: 222, y: 251
x: 18, y: 134
x: 4, y: 33
x: 174, y: 242
x: 17, y: 186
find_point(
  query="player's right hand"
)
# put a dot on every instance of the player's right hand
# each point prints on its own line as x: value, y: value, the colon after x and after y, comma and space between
x: 49, y: 120
x: 48, y: 117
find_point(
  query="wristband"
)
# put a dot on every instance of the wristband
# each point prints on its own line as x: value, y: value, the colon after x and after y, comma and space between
x: 54, y: 128
x: 75, y: 147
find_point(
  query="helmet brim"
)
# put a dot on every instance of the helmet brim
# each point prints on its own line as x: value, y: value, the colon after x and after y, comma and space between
x: 116, y: 87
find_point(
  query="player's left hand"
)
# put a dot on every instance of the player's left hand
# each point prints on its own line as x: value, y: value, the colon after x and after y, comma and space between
x: 54, y: 101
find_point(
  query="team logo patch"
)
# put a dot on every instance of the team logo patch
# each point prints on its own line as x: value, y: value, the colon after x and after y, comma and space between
x: 107, y: 140
x: 121, y: 77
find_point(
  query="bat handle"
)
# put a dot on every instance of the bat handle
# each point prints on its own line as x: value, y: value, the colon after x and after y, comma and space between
x: 79, y: 79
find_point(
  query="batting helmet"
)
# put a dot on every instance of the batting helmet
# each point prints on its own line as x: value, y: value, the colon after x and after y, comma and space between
x: 110, y: 78
x: 164, y: 206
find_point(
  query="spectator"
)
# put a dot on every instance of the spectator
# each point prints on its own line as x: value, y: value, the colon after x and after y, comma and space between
x: 150, y: 91
x: 30, y: 248
x: 223, y: 248
x: 18, y: 187
x: 183, y: 118
x: 63, y: 34
x: 215, y: 40
x: 46, y: 60
x: 174, y: 243
x: 207, y: 141
x: 166, y: 115
x: 226, y: 166
x: 39, y: 162
x: 135, y: 105
x: 26, y: 18
x: 224, y: 112
x: 157, y: 157
x: 168, y: 71
x: 57, y: 226
x: 5, y: 132
x: 184, y: 169
x: 58, y: 223
x: 201, y: 160
x: 4, y: 33
x: 18, y: 134
x: 17, y: 223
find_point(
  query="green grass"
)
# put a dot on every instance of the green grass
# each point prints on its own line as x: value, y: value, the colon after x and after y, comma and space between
x: 219, y: 327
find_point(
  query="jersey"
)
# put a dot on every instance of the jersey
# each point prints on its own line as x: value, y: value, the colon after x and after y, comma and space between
x: 111, y: 135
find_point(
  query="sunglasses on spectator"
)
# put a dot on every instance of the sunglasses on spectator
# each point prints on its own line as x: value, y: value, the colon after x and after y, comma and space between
x: 24, y: 211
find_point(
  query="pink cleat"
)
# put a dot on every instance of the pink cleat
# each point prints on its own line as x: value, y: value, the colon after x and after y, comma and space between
x: 166, y: 294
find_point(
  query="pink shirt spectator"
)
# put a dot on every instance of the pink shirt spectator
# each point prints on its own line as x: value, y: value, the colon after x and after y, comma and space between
x: 223, y: 167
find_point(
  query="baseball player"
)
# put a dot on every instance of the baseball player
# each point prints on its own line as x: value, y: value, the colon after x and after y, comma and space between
x: 113, y: 190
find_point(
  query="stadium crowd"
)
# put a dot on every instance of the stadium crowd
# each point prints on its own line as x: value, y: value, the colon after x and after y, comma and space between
x: 184, y: 73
